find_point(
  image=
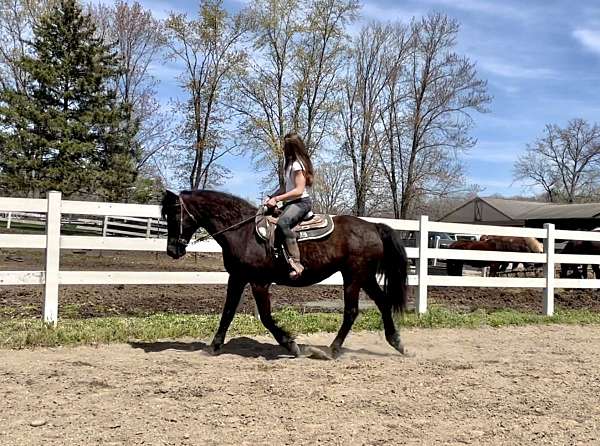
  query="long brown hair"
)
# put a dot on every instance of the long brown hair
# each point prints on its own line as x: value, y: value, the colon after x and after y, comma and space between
x: 295, y: 150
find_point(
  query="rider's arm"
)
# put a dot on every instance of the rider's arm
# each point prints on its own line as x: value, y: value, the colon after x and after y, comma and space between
x: 296, y: 192
x: 279, y: 190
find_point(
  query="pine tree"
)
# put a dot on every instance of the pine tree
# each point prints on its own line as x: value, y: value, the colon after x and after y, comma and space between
x: 67, y: 131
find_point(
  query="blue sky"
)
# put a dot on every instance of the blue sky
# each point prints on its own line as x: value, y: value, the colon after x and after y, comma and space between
x: 541, y: 59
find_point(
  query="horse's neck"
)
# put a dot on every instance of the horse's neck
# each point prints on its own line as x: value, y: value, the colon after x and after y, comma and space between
x: 218, y: 215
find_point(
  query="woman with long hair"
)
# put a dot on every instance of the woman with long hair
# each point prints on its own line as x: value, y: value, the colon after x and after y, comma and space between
x: 298, y: 177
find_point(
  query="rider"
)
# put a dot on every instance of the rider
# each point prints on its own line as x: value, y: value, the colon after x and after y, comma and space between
x: 298, y: 176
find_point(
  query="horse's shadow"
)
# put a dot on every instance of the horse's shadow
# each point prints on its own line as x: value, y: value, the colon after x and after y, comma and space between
x: 249, y: 348
x: 242, y: 346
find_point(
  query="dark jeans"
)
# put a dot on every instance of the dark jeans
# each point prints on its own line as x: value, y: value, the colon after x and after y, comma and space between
x: 292, y: 214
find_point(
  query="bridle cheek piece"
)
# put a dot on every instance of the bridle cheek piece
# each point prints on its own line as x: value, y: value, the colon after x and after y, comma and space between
x: 183, y: 207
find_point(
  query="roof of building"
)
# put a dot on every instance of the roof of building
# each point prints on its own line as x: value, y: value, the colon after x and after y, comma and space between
x: 520, y: 210
x: 513, y: 209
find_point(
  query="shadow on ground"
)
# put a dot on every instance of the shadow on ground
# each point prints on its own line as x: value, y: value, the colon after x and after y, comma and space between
x: 251, y: 348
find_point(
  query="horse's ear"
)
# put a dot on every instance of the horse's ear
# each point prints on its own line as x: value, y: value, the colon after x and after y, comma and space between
x: 171, y: 194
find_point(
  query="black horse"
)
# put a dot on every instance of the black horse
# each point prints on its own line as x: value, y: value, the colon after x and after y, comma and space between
x: 356, y: 248
x: 585, y: 247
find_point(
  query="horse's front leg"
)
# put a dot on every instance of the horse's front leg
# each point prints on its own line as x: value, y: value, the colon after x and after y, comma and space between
x: 263, y: 303
x: 235, y: 288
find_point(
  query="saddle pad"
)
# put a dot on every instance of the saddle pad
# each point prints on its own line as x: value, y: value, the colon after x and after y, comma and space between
x: 321, y: 225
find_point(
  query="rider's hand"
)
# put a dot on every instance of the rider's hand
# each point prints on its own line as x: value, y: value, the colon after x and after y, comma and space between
x: 271, y: 202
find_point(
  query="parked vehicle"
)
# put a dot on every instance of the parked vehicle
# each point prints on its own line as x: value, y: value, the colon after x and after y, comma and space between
x: 440, y: 239
x: 436, y: 239
x: 466, y: 237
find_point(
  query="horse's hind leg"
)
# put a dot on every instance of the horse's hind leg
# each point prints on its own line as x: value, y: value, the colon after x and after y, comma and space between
x: 263, y: 303
x: 235, y: 288
x: 351, y: 292
x: 392, y: 335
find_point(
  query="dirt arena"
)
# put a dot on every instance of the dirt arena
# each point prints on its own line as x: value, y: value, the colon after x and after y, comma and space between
x: 526, y: 385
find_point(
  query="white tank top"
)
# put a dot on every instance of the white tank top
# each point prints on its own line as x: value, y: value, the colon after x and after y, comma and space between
x: 290, y: 174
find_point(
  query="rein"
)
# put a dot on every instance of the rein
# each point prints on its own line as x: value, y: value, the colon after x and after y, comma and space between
x: 207, y: 236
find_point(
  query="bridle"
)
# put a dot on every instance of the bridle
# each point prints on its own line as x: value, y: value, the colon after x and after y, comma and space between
x: 183, y: 207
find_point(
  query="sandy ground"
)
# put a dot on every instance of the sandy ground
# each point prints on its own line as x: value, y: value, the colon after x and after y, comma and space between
x: 528, y: 385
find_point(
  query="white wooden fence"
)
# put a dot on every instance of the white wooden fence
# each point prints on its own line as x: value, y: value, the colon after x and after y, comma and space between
x: 53, y: 242
x: 108, y: 225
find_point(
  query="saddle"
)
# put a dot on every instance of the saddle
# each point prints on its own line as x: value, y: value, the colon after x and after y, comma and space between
x: 313, y: 227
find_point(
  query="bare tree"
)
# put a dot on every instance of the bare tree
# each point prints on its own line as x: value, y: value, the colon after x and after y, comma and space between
x: 537, y: 171
x: 17, y: 18
x: 390, y: 141
x: 318, y: 64
x: 564, y: 162
x: 428, y: 115
x: 330, y: 191
x: 138, y: 39
x: 207, y: 47
x: 363, y: 86
x: 291, y: 81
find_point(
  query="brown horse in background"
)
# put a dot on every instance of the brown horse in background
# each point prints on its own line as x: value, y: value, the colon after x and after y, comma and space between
x: 455, y: 267
x: 514, y: 244
x: 571, y: 271
x: 491, y: 243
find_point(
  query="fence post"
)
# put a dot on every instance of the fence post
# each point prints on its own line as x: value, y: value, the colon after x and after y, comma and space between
x: 422, y: 265
x: 52, y: 257
x: 436, y: 246
x: 149, y: 227
x: 548, y: 302
x: 8, y: 220
x: 105, y: 226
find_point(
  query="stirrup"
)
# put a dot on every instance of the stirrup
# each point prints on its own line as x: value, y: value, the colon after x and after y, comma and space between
x: 297, y: 268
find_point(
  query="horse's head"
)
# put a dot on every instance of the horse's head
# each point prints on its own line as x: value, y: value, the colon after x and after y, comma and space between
x: 534, y: 245
x: 181, y: 223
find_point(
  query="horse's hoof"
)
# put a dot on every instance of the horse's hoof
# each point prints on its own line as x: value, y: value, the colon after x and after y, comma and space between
x: 336, y: 351
x: 215, y: 349
x: 294, y: 349
x: 395, y: 341
x: 315, y: 353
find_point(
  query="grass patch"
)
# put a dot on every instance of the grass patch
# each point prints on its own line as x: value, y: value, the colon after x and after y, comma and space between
x: 24, y: 333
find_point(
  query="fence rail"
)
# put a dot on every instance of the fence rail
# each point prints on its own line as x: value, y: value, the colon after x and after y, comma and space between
x: 106, y: 226
x: 54, y: 208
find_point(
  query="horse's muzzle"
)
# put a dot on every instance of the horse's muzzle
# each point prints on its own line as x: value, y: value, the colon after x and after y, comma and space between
x: 176, y: 250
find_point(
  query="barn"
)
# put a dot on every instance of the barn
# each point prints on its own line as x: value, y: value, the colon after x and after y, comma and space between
x: 505, y: 212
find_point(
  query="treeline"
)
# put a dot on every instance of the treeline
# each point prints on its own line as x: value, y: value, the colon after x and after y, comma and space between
x: 74, y: 109
x: 385, y: 108
x: 564, y: 163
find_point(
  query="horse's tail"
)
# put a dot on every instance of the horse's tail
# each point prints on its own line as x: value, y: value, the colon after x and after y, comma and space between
x: 395, y: 268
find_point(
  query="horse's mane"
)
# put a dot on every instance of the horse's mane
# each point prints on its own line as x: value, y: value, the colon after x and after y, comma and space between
x: 229, y: 203
x: 168, y: 200
x: 236, y: 201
